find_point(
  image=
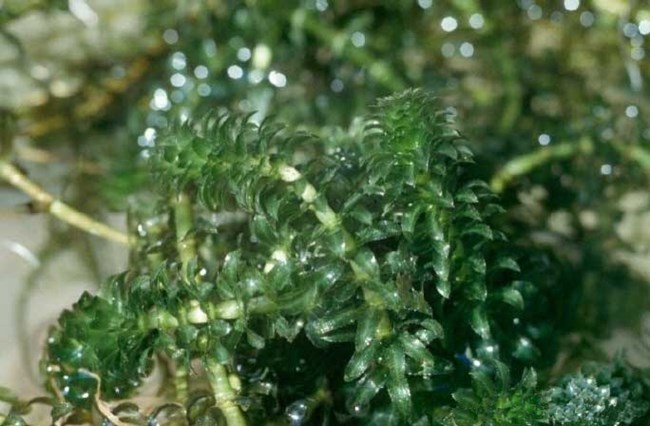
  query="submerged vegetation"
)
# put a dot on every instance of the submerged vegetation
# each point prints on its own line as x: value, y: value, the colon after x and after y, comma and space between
x: 397, y: 257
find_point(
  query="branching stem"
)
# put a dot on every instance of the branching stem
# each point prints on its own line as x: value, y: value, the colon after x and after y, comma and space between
x: 57, y: 208
x: 224, y: 394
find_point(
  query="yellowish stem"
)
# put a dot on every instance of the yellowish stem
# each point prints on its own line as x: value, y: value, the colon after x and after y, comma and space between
x: 524, y: 164
x: 224, y: 393
x: 58, y: 208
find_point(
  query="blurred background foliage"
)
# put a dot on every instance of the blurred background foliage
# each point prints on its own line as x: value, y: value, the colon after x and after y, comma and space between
x: 551, y: 94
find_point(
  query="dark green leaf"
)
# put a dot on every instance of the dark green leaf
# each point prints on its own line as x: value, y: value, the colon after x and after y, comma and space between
x: 479, y: 322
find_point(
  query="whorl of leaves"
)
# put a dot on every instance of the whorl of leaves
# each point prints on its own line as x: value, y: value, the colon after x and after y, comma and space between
x: 600, y: 395
x: 380, y: 245
x: 494, y: 401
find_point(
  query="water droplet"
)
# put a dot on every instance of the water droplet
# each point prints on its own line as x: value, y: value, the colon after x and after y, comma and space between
x: 644, y: 27
x: 632, y: 111
x: 606, y: 169
x: 358, y: 39
x: 571, y: 5
x: 178, y: 61
x: 466, y: 49
x: 587, y: 18
x: 210, y: 47
x: 321, y: 5
x: 204, y: 89
x: 476, y: 21
x: 160, y: 100
x: 534, y: 12
x: 256, y: 76
x: 244, y: 54
x: 448, y: 49
x: 544, y: 139
x: 425, y: 4
x: 637, y: 53
x: 201, y: 72
x: 630, y: 30
x: 337, y: 85
x: 277, y: 79
x: 448, y: 24
x: 297, y: 412
x: 170, y: 36
x: 235, y: 72
x: 178, y: 80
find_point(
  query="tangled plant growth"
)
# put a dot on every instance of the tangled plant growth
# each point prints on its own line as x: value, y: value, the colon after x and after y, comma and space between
x: 360, y: 274
x: 284, y: 278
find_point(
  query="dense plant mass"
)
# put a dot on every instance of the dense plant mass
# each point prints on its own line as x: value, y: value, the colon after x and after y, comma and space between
x: 357, y: 278
x: 474, y: 252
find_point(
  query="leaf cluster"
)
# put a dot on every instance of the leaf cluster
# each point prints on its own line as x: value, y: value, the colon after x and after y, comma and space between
x: 374, y: 249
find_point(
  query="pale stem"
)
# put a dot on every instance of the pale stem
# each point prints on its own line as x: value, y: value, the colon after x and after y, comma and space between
x: 224, y: 394
x: 57, y: 208
x: 181, y: 375
x: 524, y: 164
x: 183, y: 222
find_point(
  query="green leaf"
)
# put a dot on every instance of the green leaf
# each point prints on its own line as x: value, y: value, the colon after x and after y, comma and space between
x: 254, y: 339
x: 483, y: 384
x: 511, y: 296
x: 466, y: 196
x: 368, y: 327
x: 466, y: 399
x: 479, y: 322
x: 476, y: 289
x: 333, y: 321
x: 479, y: 229
x: 415, y: 349
x: 263, y: 231
x: 397, y: 385
x: 507, y: 263
x: 529, y: 379
x: 362, y: 215
x: 447, y: 149
x: 365, y: 266
x: 441, y: 266
x: 431, y: 330
x: 360, y: 362
x: 502, y: 375
x: 525, y: 350
x: 409, y: 220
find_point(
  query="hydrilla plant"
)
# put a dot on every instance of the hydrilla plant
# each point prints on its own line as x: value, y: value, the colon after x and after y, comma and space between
x: 281, y: 277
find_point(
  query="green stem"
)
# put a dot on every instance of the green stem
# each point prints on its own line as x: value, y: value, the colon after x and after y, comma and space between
x: 635, y: 153
x: 161, y: 319
x: 181, y: 375
x: 183, y: 220
x: 224, y: 393
x: 318, y: 203
x: 58, y: 208
x: 524, y: 164
x: 513, y: 92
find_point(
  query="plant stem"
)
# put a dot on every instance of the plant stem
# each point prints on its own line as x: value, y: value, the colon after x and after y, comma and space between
x: 512, y: 92
x: 183, y: 219
x: 224, y: 393
x: 181, y: 375
x: 523, y: 164
x: 635, y: 153
x: 58, y: 208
